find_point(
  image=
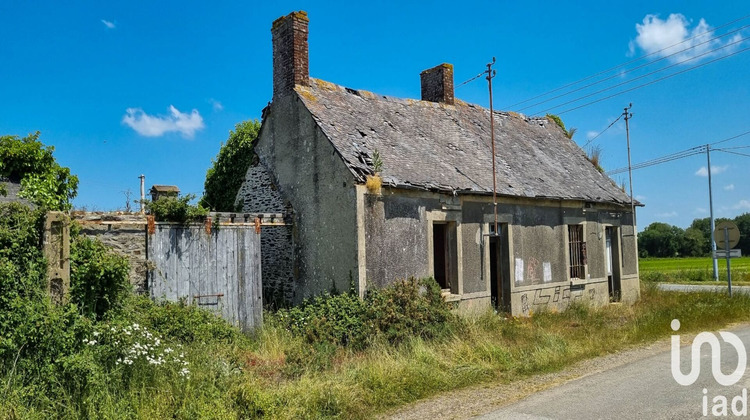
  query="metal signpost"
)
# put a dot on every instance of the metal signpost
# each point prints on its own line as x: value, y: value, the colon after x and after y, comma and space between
x: 727, y: 236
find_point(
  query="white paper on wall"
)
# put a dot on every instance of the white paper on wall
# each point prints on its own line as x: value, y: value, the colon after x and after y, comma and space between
x: 519, y: 270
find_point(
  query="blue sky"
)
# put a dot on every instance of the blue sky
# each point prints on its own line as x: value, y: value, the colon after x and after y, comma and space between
x: 124, y: 88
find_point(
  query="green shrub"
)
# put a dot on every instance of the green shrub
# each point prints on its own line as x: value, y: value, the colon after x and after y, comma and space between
x: 173, y: 209
x: 178, y: 321
x: 336, y: 319
x: 407, y: 308
x: 22, y: 276
x: 98, y: 277
x: 43, y: 181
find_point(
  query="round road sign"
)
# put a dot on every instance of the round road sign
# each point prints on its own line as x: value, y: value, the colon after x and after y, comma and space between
x: 731, y: 230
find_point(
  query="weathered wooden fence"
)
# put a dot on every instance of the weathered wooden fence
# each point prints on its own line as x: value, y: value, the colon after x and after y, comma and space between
x: 216, y: 269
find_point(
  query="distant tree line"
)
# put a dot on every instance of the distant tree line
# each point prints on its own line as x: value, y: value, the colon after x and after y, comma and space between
x: 664, y: 240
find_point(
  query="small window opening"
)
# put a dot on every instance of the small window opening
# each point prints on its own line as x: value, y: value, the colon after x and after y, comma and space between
x: 577, y: 248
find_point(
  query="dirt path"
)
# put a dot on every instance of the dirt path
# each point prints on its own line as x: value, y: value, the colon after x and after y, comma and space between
x: 474, y: 401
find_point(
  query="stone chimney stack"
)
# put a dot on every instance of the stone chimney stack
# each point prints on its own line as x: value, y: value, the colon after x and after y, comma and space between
x: 290, y: 56
x: 437, y: 84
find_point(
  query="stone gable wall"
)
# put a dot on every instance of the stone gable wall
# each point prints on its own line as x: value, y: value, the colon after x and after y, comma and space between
x: 125, y: 233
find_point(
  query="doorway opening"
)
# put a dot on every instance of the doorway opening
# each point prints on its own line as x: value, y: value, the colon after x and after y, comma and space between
x: 499, y: 268
x: 445, y: 256
x: 612, y: 253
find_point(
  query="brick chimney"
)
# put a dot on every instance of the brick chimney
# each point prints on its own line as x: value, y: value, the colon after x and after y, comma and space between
x: 290, y: 56
x: 437, y: 84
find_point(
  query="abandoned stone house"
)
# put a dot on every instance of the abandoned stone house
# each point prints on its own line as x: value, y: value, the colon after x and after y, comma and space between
x: 565, y: 231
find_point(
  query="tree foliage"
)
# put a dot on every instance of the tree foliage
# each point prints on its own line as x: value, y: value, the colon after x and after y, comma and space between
x: 664, y: 240
x: 228, y: 169
x: 660, y: 240
x: 43, y: 181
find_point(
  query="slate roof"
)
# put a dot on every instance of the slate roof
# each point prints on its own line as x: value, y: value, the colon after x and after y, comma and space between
x: 438, y: 147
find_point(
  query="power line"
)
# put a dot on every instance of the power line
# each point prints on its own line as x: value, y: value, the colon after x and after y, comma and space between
x: 651, y: 82
x: 660, y: 160
x: 734, y: 153
x: 639, y: 67
x: 682, y: 154
x: 651, y: 73
x: 602, y: 132
x: 472, y: 79
x: 627, y: 62
x: 731, y: 138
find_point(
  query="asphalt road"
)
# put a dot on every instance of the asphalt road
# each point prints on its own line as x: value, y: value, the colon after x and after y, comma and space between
x: 644, y: 389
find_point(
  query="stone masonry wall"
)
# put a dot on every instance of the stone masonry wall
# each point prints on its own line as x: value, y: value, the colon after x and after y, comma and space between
x: 258, y: 194
x: 125, y: 233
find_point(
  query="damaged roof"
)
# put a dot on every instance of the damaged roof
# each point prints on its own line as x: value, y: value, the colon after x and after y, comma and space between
x: 447, y: 148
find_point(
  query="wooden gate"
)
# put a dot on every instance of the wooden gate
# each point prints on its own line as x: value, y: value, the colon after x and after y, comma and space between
x: 215, y: 269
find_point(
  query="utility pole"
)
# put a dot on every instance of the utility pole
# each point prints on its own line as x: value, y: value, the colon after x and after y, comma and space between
x: 490, y: 74
x: 628, y: 116
x: 143, y: 191
x: 711, y: 208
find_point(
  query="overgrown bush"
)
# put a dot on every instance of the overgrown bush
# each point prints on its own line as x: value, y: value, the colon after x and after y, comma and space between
x: 178, y: 321
x: 22, y: 271
x: 98, y: 277
x: 173, y: 209
x: 43, y: 181
x: 335, y: 319
x: 407, y: 308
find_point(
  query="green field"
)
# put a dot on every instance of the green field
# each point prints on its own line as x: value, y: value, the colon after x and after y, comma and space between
x: 691, y: 270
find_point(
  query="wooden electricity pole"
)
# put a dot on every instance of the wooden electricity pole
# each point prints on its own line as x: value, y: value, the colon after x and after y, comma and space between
x: 491, y: 74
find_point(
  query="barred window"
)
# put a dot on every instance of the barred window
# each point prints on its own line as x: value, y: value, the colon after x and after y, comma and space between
x: 577, y: 248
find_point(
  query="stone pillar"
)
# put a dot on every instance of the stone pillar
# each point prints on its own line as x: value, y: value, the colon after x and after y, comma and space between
x: 56, y: 250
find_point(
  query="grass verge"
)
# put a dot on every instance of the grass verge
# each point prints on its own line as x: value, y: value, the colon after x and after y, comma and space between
x: 280, y: 374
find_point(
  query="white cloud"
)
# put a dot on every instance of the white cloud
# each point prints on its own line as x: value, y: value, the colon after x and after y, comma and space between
x: 729, y: 187
x: 157, y: 125
x: 716, y: 169
x: 700, y: 210
x: 742, y: 205
x: 660, y: 36
x: 640, y: 198
x: 591, y: 134
x: 667, y: 215
x: 217, y: 106
x: 108, y: 24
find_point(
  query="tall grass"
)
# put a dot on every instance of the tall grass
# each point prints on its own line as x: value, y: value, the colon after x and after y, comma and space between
x: 279, y: 374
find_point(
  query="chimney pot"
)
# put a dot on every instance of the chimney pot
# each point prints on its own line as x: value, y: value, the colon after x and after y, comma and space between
x: 290, y: 53
x: 437, y: 84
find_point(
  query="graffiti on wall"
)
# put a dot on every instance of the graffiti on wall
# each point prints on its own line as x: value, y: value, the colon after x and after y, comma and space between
x: 560, y: 295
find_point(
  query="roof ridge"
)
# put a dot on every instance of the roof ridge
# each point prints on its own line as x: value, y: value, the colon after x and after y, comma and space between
x: 335, y: 87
